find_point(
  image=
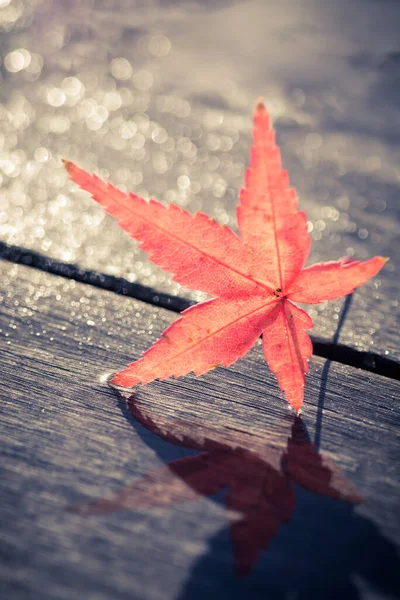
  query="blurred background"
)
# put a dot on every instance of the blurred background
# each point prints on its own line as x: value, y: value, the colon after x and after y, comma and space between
x: 157, y: 96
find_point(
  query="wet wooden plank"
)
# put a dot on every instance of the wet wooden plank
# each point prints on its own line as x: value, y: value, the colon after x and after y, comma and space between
x: 66, y: 440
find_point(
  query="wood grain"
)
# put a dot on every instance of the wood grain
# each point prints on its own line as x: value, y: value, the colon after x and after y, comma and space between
x: 67, y: 439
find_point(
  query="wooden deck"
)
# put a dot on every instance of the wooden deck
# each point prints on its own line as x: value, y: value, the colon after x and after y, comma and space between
x: 195, y: 486
x: 202, y: 487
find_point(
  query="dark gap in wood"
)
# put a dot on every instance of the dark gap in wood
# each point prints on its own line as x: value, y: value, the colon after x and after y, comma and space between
x: 118, y: 285
x: 367, y: 361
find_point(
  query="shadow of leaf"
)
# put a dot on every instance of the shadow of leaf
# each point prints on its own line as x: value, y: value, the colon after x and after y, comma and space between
x: 259, y: 472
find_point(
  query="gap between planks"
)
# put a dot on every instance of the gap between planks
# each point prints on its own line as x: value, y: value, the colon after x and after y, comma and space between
x: 331, y: 350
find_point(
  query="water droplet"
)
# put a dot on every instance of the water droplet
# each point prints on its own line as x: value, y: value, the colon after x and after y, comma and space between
x: 17, y: 60
x: 121, y: 68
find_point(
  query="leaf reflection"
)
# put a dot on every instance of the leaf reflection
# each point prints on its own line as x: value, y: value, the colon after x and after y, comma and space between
x: 259, y: 473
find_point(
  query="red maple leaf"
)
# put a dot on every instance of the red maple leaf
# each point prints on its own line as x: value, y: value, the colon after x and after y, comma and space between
x: 259, y: 472
x: 255, y: 278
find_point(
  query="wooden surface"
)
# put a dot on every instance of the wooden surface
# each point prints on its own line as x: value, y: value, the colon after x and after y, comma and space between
x: 201, y: 487
x: 168, y: 529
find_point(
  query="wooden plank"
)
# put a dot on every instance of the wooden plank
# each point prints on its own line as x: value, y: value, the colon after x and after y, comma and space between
x: 132, y: 120
x: 67, y: 440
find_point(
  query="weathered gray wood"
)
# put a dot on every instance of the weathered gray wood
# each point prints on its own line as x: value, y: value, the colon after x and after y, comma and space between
x: 335, y: 102
x: 67, y: 440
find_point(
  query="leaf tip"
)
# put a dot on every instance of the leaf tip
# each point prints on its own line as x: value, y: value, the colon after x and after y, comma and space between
x: 381, y: 262
x: 111, y: 380
x: 260, y: 106
x: 116, y: 380
x: 295, y: 402
x: 68, y: 165
x: 124, y: 379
